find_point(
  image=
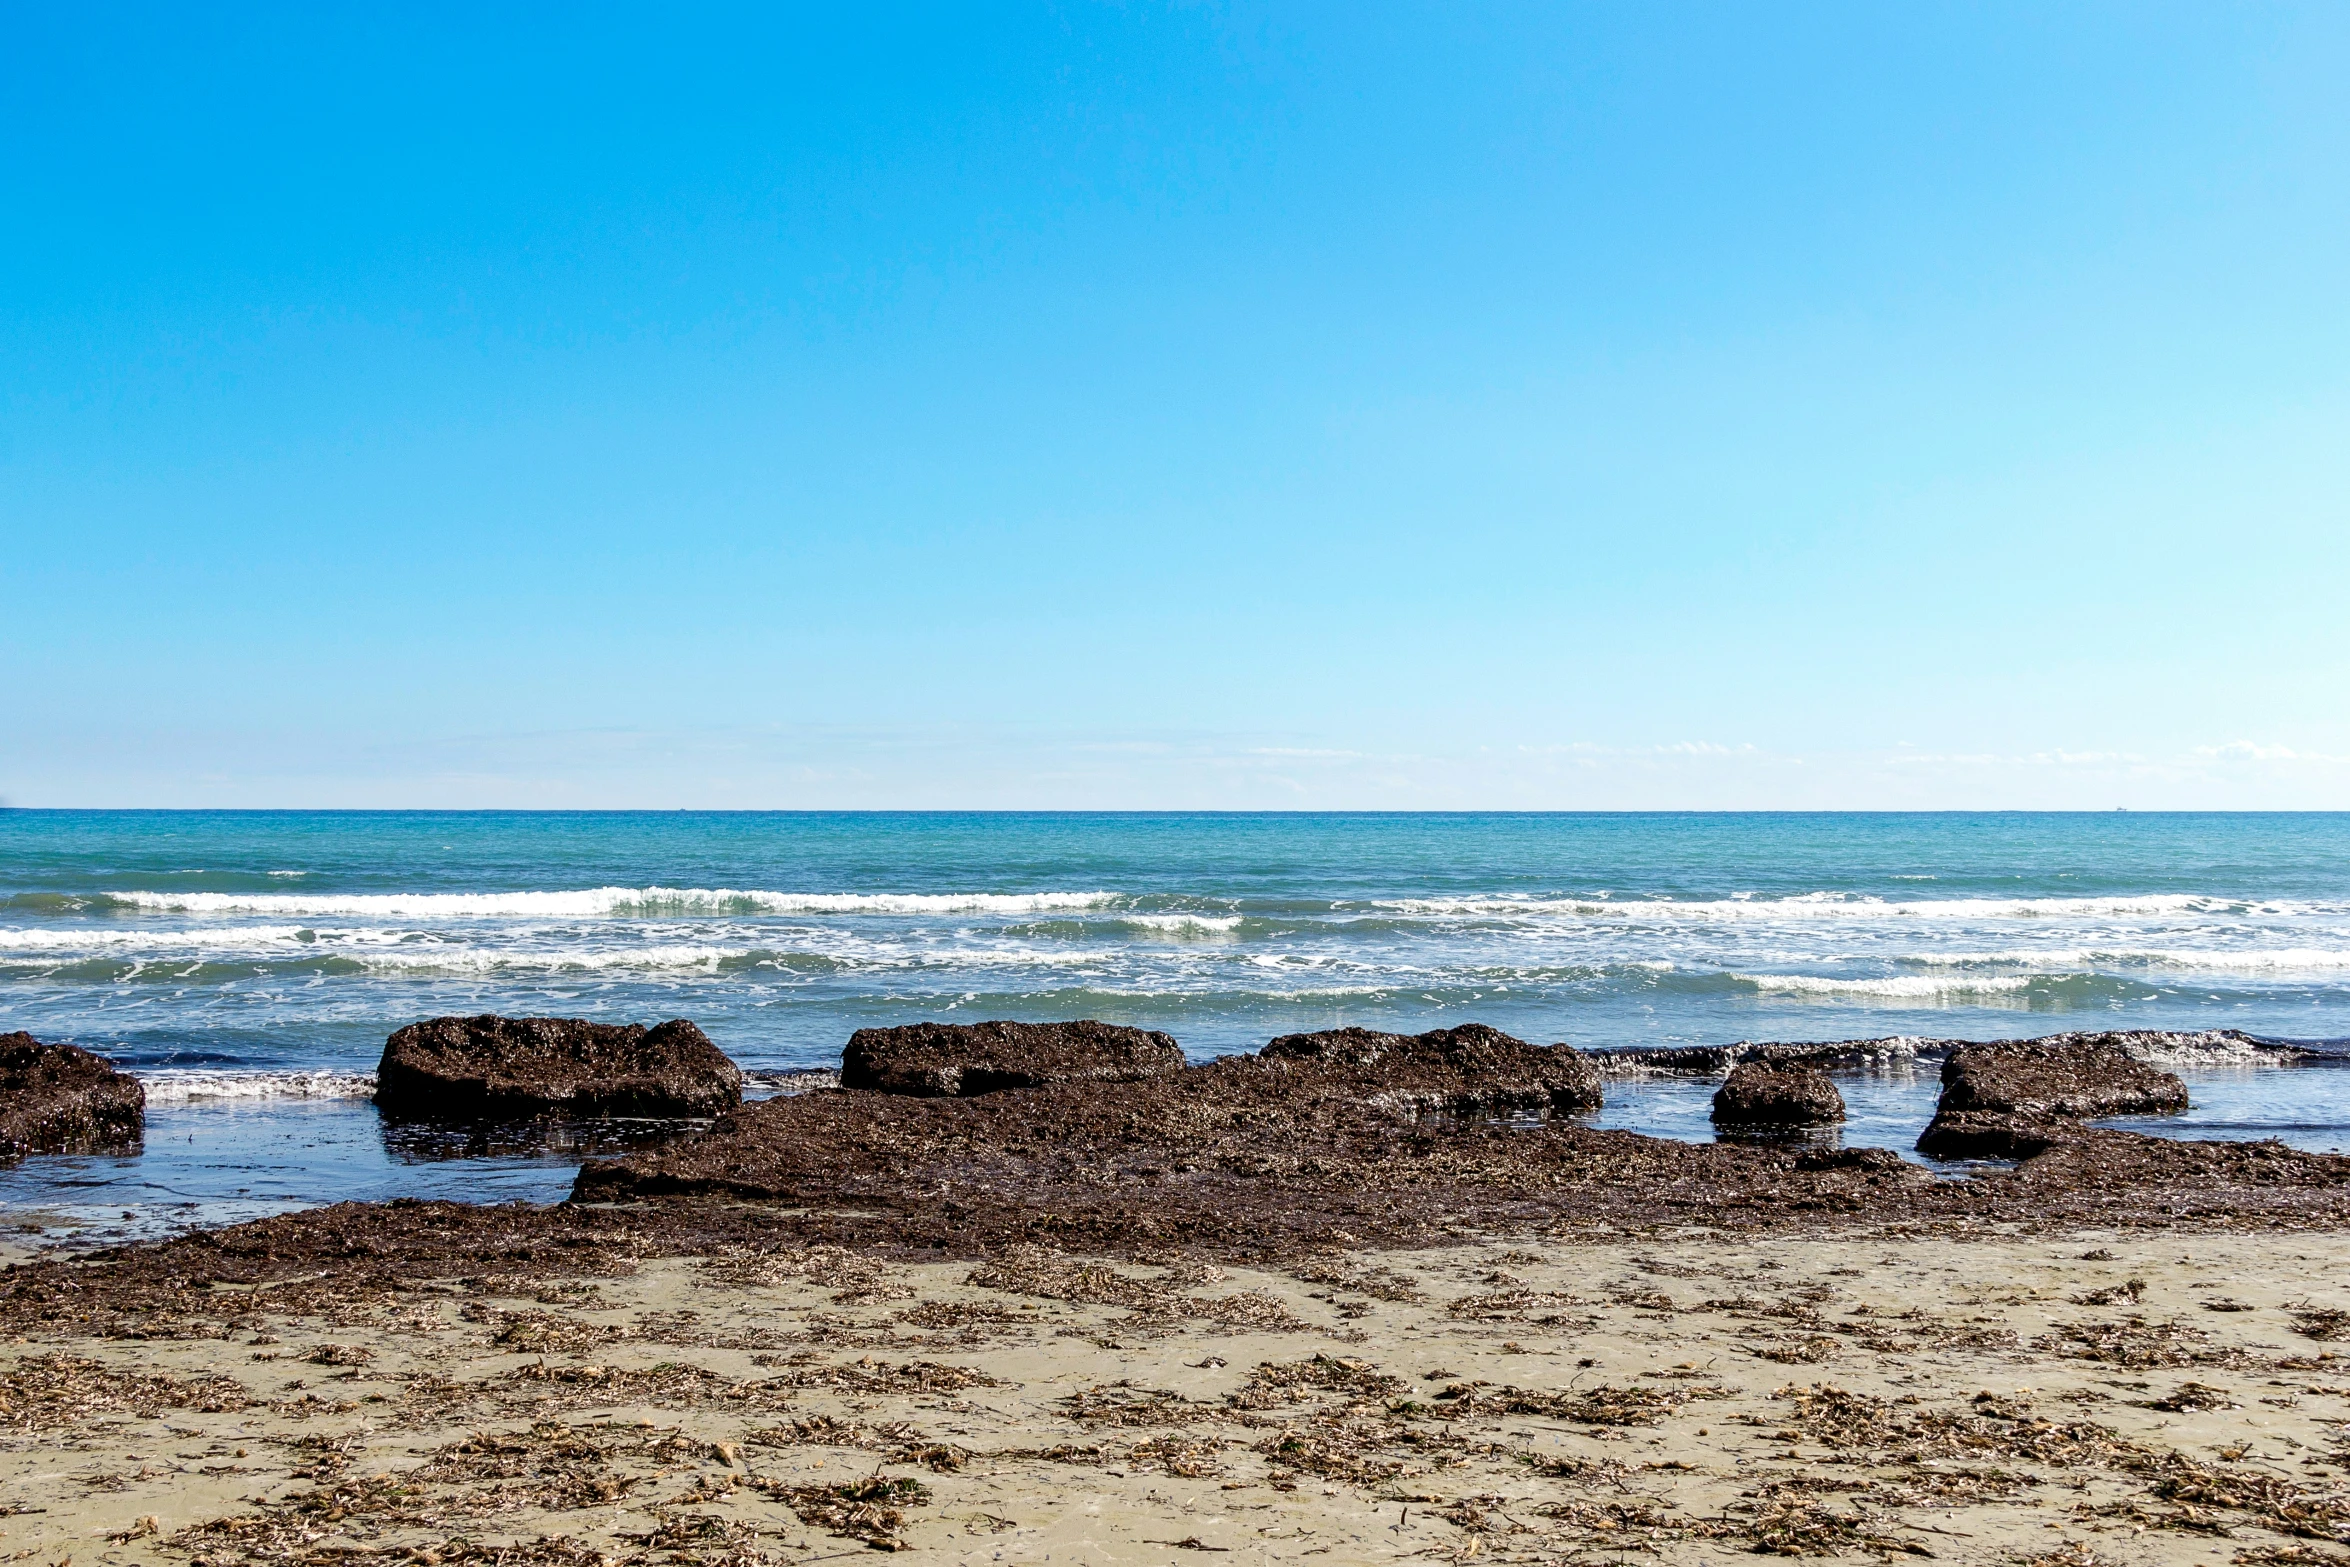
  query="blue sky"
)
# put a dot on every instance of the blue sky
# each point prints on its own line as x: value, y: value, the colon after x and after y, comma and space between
x: 1353, y: 405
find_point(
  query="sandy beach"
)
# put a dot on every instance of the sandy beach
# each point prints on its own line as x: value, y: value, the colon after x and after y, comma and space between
x: 2083, y: 1396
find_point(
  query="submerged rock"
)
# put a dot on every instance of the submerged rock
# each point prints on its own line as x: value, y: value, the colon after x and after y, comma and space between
x: 490, y: 1067
x: 62, y: 1099
x: 1759, y: 1094
x: 1469, y: 1070
x: 2016, y: 1098
x: 958, y: 1060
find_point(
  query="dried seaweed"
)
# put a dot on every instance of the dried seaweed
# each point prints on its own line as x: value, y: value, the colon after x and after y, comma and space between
x: 2271, y: 1501
x: 1272, y: 1385
x: 55, y: 1392
x: 2138, y: 1344
x: 2190, y: 1397
x: 2319, y: 1322
x: 1053, y: 1275
x: 871, y: 1509
x: 1600, y: 1406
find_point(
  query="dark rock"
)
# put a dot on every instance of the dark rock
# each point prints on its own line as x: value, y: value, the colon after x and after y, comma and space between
x: 2014, y: 1099
x: 1758, y: 1093
x: 2075, y: 1077
x: 1305, y: 1152
x: 1333, y: 1122
x: 1992, y: 1134
x: 62, y: 1099
x: 489, y: 1067
x: 1714, y: 1060
x: 957, y: 1060
x: 1867, y: 1161
x: 2219, y: 1046
x: 1469, y: 1070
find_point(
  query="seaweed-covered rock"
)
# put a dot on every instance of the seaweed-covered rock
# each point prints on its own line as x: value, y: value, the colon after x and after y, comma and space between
x: 2200, y: 1047
x: 2016, y: 1098
x: 490, y: 1067
x: 62, y: 1099
x: 1759, y: 1094
x: 2076, y: 1078
x: 1993, y: 1134
x: 1469, y: 1070
x: 957, y: 1060
x: 1876, y: 1162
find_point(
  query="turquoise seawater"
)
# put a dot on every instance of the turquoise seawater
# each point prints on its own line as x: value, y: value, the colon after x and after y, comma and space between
x: 249, y: 965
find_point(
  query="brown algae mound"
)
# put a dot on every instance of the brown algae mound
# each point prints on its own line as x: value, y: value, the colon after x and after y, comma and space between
x: 1763, y: 1094
x: 1323, y: 1139
x: 62, y: 1099
x: 2015, y: 1097
x: 951, y: 1060
x: 450, y: 1068
x: 1330, y: 1141
x: 1469, y: 1070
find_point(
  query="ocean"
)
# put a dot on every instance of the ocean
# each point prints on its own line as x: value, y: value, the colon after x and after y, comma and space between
x: 248, y: 965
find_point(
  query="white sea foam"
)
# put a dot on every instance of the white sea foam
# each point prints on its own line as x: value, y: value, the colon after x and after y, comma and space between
x: 453, y: 959
x: 1825, y: 905
x: 687, y: 957
x: 1914, y: 986
x: 2214, y: 960
x: 1180, y: 922
x: 106, y: 938
x: 195, y: 1085
x: 84, y: 939
x: 597, y: 901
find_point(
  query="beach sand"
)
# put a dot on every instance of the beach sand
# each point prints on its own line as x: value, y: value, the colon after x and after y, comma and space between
x: 2089, y: 1396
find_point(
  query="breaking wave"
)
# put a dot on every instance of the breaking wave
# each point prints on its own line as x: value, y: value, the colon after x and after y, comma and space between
x: 1911, y: 986
x: 2212, y: 960
x: 1178, y: 923
x: 1822, y: 905
x: 200, y: 1086
x: 597, y: 901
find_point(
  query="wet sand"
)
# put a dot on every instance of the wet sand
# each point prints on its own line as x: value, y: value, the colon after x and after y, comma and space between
x: 2064, y: 1395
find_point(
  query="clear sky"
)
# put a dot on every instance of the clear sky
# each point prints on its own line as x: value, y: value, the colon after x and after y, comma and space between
x: 1454, y: 405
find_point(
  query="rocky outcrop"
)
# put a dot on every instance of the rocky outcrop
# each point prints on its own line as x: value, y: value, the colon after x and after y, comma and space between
x: 1758, y: 1094
x: 1991, y: 1134
x: 1469, y: 1070
x: 2014, y: 1099
x: 1713, y: 1060
x: 2201, y: 1047
x: 62, y: 1099
x: 958, y: 1060
x: 2076, y: 1077
x: 490, y: 1068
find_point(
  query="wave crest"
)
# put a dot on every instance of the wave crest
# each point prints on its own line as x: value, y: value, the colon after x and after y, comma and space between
x: 196, y: 1085
x: 1913, y: 986
x: 595, y: 901
x: 1819, y: 905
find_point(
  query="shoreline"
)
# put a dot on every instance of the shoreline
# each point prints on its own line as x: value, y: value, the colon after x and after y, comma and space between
x: 1278, y: 1308
x: 208, y: 1163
